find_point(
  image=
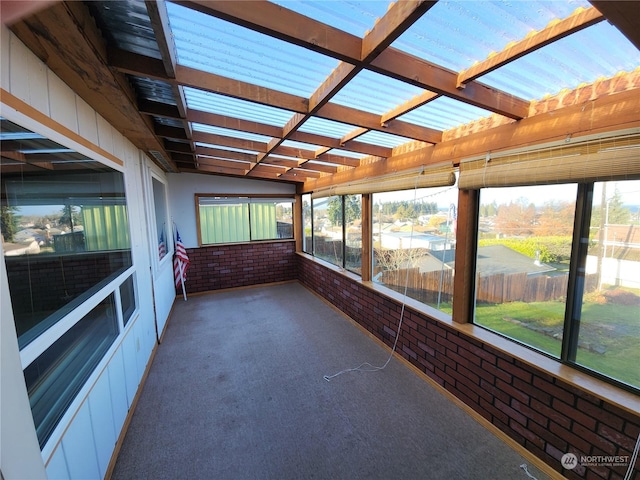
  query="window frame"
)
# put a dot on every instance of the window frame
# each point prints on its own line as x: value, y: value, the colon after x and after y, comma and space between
x: 111, y: 286
x: 575, y: 290
x: 248, y: 198
x: 343, y: 258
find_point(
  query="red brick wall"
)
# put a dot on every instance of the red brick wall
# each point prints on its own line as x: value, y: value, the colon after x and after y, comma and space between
x: 547, y: 416
x: 239, y: 265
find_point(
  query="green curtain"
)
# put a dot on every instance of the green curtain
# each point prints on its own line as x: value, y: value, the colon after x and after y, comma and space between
x: 224, y: 223
x: 106, y: 227
x: 263, y: 221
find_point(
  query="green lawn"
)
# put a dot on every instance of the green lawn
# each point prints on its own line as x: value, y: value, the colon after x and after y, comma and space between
x: 609, y: 333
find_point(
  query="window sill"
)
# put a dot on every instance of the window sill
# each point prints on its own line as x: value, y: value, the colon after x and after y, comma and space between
x: 252, y: 242
x: 580, y: 380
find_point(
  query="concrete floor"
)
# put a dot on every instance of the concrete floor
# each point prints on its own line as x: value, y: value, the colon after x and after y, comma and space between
x: 236, y: 391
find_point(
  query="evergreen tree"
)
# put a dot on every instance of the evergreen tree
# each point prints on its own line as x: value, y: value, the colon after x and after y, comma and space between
x: 8, y: 222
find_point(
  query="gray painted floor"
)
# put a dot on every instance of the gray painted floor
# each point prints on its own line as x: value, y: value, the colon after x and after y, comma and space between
x: 236, y: 391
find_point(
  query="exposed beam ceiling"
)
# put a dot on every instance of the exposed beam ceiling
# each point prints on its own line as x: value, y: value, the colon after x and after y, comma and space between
x: 75, y: 42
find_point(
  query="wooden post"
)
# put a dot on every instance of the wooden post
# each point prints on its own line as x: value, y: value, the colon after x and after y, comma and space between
x: 466, y: 246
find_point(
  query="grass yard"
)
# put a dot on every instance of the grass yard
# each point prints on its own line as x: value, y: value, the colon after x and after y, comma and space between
x: 609, y: 340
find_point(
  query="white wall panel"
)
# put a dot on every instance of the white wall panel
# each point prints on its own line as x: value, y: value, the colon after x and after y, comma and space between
x: 87, y: 442
x: 19, y: 69
x: 19, y: 452
x: 5, y: 40
x: 87, y: 122
x: 62, y: 103
x: 105, y: 134
x: 118, y: 390
x: 79, y: 447
x: 130, y: 365
x: 165, y: 294
x: 102, y: 422
x: 57, y: 467
x: 38, y: 88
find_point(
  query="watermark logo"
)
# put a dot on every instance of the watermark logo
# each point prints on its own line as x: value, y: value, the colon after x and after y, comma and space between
x: 569, y: 461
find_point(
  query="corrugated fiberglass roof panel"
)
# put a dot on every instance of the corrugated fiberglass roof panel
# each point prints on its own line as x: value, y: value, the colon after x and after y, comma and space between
x: 600, y: 51
x: 375, y: 93
x: 456, y: 34
x: 352, y: 17
x: 230, y: 133
x: 444, y: 113
x: 383, y: 139
x: 328, y: 128
x: 213, y: 45
x: 234, y: 107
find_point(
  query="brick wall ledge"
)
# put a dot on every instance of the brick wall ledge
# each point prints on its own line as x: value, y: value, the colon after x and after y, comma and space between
x: 592, y: 385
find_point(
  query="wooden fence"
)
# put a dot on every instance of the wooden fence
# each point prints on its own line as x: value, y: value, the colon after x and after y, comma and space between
x: 499, y: 288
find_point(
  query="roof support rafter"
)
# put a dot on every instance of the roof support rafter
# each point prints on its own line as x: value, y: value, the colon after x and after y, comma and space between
x: 531, y: 43
x: 157, y: 11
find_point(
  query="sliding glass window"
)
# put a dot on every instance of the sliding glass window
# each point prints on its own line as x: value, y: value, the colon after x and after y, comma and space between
x: 234, y: 219
x: 414, y: 240
x: 608, y: 332
x: 557, y: 271
x: 65, y: 238
x: 522, y: 262
x: 337, y: 230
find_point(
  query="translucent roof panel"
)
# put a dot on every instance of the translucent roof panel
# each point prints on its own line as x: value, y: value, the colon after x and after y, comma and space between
x: 213, y: 45
x: 456, y: 34
x: 444, y: 113
x: 345, y: 153
x: 352, y: 17
x: 300, y: 145
x: 597, y: 52
x: 233, y: 107
x: 375, y: 93
x: 230, y: 133
x: 383, y: 139
x: 329, y: 128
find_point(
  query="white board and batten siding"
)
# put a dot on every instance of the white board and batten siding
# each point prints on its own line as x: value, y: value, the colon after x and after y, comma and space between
x: 84, y: 441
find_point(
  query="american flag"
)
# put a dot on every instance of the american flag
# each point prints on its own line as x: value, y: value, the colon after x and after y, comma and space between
x: 180, y: 261
x: 162, y: 246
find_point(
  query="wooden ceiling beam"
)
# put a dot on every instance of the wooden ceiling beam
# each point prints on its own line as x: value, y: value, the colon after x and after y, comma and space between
x: 400, y: 16
x: 140, y: 65
x: 574, y: 23
x: 303, y: 172
x: 339, y: 159
x: 371, y: 121
x: 228, y: 154
x: 65, y: 37
x: 359, y: 147
x: 221, y: 162
x: 225, y: 141
x: 232, y: 123
x: 293, y: 152
x: 624, y: 15
x: 608, y: 113
x: 410, y: 105
x: 159, y: 18
x: 319, y: 167
x: 143, y: 66
x: 421, y: 73
x: 219, y: 170
x: 281, y: 161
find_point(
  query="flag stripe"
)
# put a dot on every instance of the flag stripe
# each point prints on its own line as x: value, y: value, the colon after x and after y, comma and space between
x: 180, y: 261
